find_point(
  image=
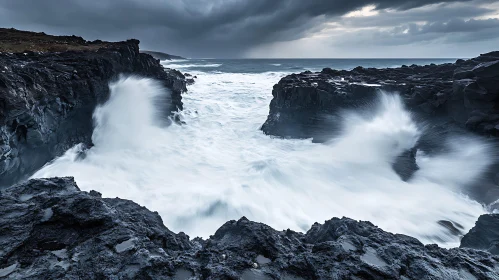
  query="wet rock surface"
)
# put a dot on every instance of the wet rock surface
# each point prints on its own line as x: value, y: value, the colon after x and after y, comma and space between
x: 465, y: 93
x: 484, y: 235
x: 49, y: 229
x: 454, y: 98
x: 49, y: 87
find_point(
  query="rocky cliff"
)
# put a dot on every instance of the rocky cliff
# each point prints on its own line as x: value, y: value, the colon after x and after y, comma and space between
x: 465, y: 93
x: 49, y: 229
x: 49, y: 87
x: 162, y: 55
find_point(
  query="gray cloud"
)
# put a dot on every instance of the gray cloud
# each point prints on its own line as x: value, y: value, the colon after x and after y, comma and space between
x: 439, y: 12
x: 456, y: 25
x: 226, y: 28
x: 452, y: 24
x: 444, y: 32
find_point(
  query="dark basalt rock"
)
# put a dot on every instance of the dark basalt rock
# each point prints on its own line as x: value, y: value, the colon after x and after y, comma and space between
x: 49, y: 229
x: 49, y: 90
x: 465, y: 92
x: 484, y: 235
x: 189, y: 79
x: 457, y: 95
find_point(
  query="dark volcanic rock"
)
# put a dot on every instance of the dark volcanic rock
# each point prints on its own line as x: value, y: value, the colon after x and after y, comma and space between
x: 50, y: 229
x: 454, y: 96
x: 49, y: 91
x: 465, y: 92
x: 484, y: 235
x: 189, y: 79
x: 162, y: 55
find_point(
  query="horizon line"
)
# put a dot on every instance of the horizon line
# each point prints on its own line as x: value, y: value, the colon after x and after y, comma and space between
x: 266, y: 58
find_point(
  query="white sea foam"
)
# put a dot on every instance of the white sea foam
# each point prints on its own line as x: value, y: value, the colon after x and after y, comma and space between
x: 167, y: 61
x: 220, y: 166
x: 175, y: 64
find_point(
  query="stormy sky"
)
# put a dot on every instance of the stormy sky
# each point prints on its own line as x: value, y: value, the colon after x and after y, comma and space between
x: 272, y: 28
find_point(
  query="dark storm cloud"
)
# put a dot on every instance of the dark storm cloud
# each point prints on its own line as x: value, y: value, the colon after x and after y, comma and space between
x: 442, y: 12
x: 445, y: 24
x: 455, y: 30
x: 456, y: 25
x: 196, y: 27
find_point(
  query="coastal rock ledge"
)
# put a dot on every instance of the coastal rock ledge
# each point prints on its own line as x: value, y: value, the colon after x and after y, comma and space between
x: 49, y: 229
x: 464, y: 93
x: 49, y: 88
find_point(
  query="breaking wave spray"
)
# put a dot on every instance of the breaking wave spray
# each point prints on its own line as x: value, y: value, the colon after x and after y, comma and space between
x: 220, y: 166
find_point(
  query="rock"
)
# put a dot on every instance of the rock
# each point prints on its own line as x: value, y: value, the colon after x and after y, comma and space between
x: 84, y: 230
x: 162, y: 55
x: 190, y: 81
x: 90, y: 237
x: 487, y: 77
x: 484, y: 235
x: 405, y: 164
x: 48, y: 93
x: 303, y: 103
x: 464, y: 94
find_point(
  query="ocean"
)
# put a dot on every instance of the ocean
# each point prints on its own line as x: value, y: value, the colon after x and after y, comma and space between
x: 219, y: 166
x: 291, y: 65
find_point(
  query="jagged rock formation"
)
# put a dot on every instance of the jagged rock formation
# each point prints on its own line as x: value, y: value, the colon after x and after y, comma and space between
x: 465, y: 92
x: 484, y: 235
x: 454, y: 96
x: 49, y: 87
x: 189, y: 79
x: 49, y: 229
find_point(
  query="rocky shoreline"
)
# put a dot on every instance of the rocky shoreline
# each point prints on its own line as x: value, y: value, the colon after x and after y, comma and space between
x: 465, y: 93
x: 49, y: 88
x: 454, y: 97
x: 162, y: 56
x: 50, y: 229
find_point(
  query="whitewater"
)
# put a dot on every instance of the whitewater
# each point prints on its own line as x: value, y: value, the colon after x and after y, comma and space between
x: 219, y: 166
